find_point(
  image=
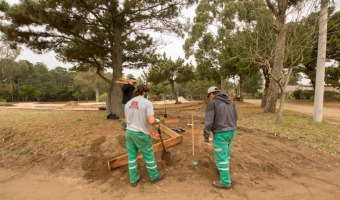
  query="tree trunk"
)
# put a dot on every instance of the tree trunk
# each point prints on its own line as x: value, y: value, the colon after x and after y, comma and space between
x: 97, y: 89
x: 235, y: 88
x: 174, y: 94
x: 223, y: 84
x: 320, y: 68
x: 276, y: 73
x: 283, y: 98
x: 114, y: 103
x: 266, y: 86
x: 241, y: 89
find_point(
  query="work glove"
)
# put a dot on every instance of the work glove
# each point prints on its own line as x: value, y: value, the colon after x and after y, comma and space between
x: 158, y: 121
x: 206, y: 137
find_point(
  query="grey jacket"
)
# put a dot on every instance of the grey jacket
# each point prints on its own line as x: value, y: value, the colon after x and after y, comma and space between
x: 220, y: 115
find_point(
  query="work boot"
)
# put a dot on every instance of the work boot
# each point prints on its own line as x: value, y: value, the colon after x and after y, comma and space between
x: 135, y: 183
x: 218, y: 185
x: 160, y: 177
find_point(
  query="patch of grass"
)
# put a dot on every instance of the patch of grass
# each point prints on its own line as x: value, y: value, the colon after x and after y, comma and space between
x: 85, y: 133
x: 34, y: 140
x: 23, y: 151
x: 5, y: 104
x: 83, y: 145
x: 295, y: 126
x: 265, y: 142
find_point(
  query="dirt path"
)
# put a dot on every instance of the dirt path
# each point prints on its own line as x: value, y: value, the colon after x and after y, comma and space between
x: 330, y: 113
x: 18, y: 186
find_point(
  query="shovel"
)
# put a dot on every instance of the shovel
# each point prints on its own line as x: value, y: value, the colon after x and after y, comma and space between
x: 166, y: 155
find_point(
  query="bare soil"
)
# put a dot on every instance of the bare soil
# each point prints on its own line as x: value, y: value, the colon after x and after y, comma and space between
x: 47, y: 154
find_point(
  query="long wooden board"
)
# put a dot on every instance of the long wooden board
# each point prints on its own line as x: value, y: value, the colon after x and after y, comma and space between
x: 174, y: 140
x: 123, y: 80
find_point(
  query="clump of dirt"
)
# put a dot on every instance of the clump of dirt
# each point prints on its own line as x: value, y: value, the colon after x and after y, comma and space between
x: 94, y: 166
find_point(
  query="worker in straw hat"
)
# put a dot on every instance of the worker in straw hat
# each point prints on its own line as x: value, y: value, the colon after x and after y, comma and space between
x: 138, y: 112
x: 221, y: 120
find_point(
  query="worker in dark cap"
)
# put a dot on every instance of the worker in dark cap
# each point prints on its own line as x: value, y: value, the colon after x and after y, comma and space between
x: 221, y: 120
x: 127, y: 90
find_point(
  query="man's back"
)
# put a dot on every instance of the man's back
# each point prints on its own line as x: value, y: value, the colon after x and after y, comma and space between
x: 136, y: 111
x: 221, y: 112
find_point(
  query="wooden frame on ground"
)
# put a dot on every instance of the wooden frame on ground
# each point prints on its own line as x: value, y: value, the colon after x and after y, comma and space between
x: 173, y: 140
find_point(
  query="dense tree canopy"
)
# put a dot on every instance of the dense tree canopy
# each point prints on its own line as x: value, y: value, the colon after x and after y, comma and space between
x: 171, y: 72
x: 94, y: 33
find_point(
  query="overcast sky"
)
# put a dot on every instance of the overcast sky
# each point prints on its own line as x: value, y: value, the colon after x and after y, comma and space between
x: 173, y: 49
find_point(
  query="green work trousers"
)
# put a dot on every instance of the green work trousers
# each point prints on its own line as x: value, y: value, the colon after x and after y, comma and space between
x: 222, y: 146
x: 143, y: 142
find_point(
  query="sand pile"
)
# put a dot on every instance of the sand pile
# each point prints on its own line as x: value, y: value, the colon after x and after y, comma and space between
x: 182, y: 99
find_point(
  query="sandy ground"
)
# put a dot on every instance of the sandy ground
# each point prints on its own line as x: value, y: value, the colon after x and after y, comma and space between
x: 275, y: 169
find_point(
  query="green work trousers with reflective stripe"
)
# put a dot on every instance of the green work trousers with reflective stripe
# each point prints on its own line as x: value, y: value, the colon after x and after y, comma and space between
x: 222, y: 146
x: 143, y: 142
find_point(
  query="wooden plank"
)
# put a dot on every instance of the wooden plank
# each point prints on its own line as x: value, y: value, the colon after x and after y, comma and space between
x: 124, y: 80
x: 171, y: 121
x: 121, y: 82
x: 169, y: 132
x: 123, y: 160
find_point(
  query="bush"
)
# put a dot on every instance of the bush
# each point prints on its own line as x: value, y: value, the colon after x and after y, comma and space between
x: 258, y: 95
x: 331, y: 95
x: 307, y: 94
x: 103, y: 97
x: 297, y: 94
x: 303, y: 94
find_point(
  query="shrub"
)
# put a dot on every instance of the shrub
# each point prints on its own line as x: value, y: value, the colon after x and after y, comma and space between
x: 331, y: 95
x: 103, y: 97
x: 297, y: 94
x: 307, y: 94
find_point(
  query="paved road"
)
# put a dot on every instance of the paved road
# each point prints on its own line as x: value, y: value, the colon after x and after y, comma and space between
x: 330, y: 113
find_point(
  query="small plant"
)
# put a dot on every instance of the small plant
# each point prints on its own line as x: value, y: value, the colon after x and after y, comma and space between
x: 23, y: 151
x: 265, y: 142
x: 83, y: 145
x: 85, y: 133
x: 35, y: 140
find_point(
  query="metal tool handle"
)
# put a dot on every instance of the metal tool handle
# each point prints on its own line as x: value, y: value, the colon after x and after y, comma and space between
x: 160, y: 136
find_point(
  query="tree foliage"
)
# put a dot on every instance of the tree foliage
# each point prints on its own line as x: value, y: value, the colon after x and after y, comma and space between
x: 333, y: 48
x: 171, y: 72
x: 95, y: 33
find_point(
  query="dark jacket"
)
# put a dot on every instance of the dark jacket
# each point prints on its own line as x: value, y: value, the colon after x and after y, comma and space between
x: 127, y: 90
x: 220, y: 115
